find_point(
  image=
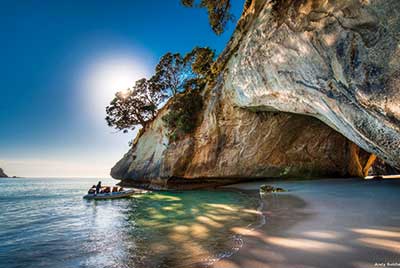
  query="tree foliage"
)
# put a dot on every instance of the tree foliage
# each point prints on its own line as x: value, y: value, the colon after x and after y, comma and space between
x: 200, y: 60
x: 183, y: 114
x: 171, y: 73
x: 218, y: 12
x: 174, y: 74
x: 135, y: 106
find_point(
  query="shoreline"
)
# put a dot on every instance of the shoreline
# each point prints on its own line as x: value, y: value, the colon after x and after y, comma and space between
x: 186, y: 184
x: 329, y: 223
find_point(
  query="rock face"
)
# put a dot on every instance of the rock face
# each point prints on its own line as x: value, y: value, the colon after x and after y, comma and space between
x: 233, y: 144
x: 284, y: 72
x: 2, y: 174
x: 338, y: 61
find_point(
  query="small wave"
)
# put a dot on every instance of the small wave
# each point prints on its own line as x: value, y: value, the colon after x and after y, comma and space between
x: 237, y: 239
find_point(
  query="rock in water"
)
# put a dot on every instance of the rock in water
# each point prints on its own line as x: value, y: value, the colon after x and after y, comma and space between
x: 267, y: 189
x: 2, y: 174
x: 284, y: 71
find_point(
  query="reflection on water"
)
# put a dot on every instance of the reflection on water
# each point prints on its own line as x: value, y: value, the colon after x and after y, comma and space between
x: 182, y: 229
x: 46, y: 223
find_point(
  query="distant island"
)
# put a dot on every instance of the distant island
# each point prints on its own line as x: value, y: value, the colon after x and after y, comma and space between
x: 2, y: 174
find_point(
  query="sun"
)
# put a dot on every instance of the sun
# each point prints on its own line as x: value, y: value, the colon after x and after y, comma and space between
x: 114, y: 76
x: 108, y: 75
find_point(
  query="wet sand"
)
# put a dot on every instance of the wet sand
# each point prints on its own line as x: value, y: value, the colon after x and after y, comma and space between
x: 336, y: 223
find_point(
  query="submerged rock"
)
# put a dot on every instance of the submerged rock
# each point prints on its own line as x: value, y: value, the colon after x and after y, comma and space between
x: 266, y: 189
x: 310, y: 92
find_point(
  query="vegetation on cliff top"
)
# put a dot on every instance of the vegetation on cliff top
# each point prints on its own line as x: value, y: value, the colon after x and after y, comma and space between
x: 176, y: 76
x: 218, y: 12
x: 134, y: 106
x: 183, y: 114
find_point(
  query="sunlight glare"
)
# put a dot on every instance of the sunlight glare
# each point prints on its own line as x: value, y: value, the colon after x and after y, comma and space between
x: 108, y: 75
x: 124, y: 93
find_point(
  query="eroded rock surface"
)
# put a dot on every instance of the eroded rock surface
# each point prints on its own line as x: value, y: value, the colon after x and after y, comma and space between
x: 338, y: 61
x: 233, y: 144
x: 281, y: 76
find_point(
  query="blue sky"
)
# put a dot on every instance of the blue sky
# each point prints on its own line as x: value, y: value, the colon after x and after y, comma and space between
x: 61, y: 63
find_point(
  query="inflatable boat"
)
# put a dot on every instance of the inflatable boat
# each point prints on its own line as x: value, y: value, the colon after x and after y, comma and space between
x: 114, y: 195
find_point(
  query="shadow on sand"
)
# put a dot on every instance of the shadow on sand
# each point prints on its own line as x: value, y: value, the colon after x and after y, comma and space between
x: 299, y: 235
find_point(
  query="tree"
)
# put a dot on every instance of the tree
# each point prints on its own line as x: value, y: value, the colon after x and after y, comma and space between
x: 200, y: 60
x: 183, y: 114
x: 150, y: 92
x: 184, y: 110
x: 174, y: 74
x: 171, y: 73
x: 218, y: 12
x: 133, y: 107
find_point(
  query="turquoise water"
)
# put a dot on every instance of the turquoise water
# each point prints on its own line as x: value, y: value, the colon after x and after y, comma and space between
x: 46, y: 223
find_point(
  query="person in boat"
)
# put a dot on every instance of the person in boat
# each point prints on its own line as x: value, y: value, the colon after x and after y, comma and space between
x: 106, y: 190
x: 98, y: 187
x: 92, y: 190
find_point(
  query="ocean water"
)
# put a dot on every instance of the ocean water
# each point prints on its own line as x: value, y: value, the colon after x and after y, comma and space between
x: 46, y: 223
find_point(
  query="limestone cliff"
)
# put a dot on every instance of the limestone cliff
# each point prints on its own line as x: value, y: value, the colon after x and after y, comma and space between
x: 284, y: 72
x: 2, y: 174
x: 338, y: 61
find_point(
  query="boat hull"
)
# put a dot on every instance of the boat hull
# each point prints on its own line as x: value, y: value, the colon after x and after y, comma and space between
x: 114, y: 195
